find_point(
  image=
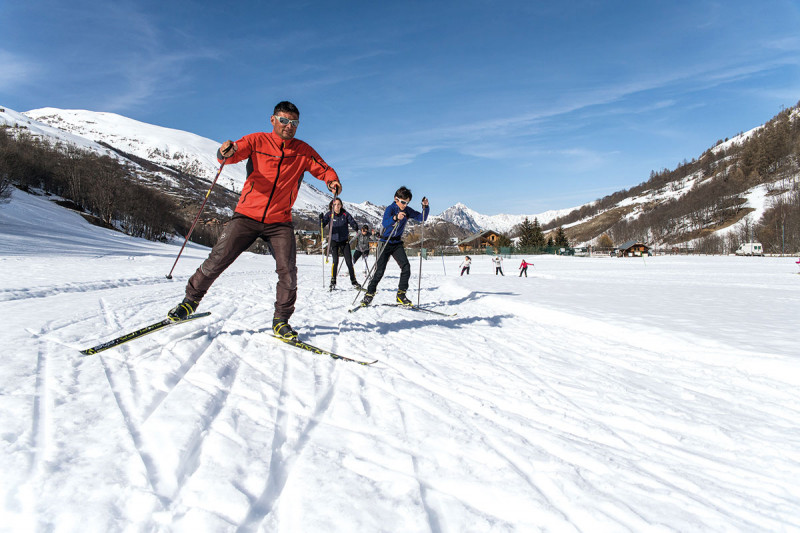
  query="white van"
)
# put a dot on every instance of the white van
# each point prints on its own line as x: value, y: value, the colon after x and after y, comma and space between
x: 750, y: 248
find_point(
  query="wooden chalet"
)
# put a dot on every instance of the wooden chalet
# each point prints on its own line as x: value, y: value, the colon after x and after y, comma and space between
x: 632, y: 249
x: 480, y: 242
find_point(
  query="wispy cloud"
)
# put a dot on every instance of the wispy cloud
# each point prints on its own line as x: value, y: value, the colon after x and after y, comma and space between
x: 503, y: 137
x: 17, y: 71
x: 148, y: 69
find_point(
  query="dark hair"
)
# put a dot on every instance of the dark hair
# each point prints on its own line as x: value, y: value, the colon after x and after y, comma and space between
x: 365, y: 227
x: 330, y: 204
x: 403, y: 193
x: 286, y: 107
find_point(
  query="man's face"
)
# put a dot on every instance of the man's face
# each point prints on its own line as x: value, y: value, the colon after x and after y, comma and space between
x: 284, y: 131
x: 401, y: 202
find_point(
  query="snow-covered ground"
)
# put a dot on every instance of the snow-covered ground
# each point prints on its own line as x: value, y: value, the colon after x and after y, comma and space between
x: 598, y: 394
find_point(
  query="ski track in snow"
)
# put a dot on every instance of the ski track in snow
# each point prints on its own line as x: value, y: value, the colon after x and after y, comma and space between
x: 543, y: 405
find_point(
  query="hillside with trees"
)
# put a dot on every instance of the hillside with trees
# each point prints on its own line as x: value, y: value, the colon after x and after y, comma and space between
x: 691, y: 205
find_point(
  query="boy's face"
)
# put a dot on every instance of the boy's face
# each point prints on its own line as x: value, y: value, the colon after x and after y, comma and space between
x: 401, y: 202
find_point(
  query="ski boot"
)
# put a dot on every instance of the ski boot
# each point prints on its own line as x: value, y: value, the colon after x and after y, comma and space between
x: 333, y: 285
x: 282, y: 329
x: 357, y: 286
x: 402, y: 300
x: 182, y: 310
x: 367, y: 299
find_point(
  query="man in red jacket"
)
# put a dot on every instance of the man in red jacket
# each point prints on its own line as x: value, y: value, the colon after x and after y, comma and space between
x: 276, y: 162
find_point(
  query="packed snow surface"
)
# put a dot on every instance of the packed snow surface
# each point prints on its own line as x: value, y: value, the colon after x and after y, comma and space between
x: 595, y: 395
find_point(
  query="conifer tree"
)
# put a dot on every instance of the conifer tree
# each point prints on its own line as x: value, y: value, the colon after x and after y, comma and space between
x: 561, y: 238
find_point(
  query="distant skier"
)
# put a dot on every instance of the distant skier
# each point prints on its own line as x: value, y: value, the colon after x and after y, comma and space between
x: 498, y: 265
x: 362, y: 245
x: 394, y: 223
x: 276, y: 162
x: 340, y: 239
x: 523, y: 268
x: 465, y: 265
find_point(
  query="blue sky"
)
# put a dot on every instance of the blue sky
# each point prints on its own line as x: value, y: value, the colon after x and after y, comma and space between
x: 509, y: 107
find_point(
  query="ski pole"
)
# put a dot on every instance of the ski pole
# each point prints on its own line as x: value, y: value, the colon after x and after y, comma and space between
x: 169, y: 276
x: 330, y: 225
x: 421, y: 245
x: 321, y: 237
x: 378, y: 255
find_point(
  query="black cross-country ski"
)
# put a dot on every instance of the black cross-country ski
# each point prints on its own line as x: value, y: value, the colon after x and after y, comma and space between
x: 425, y: 309
x: 140, y: 333
x: 320, y: 351
x: 411, y: 307
x: 353, y: 310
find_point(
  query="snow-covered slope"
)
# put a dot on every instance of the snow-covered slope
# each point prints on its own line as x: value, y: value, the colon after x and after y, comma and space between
x: 182, y: 150
x: 20, y: 121
x: 177, y: 149
x: 545, y: 405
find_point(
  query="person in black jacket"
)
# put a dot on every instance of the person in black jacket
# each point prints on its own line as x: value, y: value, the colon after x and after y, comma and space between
x: 340, y: 239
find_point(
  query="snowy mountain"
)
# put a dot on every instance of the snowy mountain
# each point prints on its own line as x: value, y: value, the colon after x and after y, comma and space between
x: 463, y: 216
x: 713, y: 202
x: 191, y: 154
x: 175, y: 149
x: 635, y: 213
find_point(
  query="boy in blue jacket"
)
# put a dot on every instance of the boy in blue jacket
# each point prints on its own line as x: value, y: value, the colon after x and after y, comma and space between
x: 394, y: 223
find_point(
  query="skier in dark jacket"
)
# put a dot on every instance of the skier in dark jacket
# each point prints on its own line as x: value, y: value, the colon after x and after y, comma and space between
x: 362, y: 245
x: 394, y: 222
x: 340, y: 239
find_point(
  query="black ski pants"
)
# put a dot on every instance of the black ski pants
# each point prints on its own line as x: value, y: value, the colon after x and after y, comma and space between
x: 343, y: 248
x: 359, y: 253
x: 397, y: 251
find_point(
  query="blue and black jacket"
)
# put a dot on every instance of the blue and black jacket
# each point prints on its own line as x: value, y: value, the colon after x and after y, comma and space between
x: 340, y: 223
x: 390, y: 218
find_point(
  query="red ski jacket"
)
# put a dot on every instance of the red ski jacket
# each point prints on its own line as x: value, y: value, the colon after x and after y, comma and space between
x: 275, y: 171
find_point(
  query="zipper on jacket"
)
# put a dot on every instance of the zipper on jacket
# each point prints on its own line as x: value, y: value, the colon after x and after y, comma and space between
x: 275, y: 183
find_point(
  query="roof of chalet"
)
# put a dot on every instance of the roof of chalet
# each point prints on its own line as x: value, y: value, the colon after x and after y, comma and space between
x: 476, y: 236
x: 626, y: 245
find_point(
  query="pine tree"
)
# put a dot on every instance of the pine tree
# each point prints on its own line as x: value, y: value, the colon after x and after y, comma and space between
x: 538, y: 234
x: 561, y: 238
x: 526, y: 237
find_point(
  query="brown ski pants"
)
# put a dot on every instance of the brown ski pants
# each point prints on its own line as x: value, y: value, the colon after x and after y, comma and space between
x: 237, y: 236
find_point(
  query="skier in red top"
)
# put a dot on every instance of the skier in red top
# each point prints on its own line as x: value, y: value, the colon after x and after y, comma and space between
x: 276, y: 162
x: 523, y: 268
